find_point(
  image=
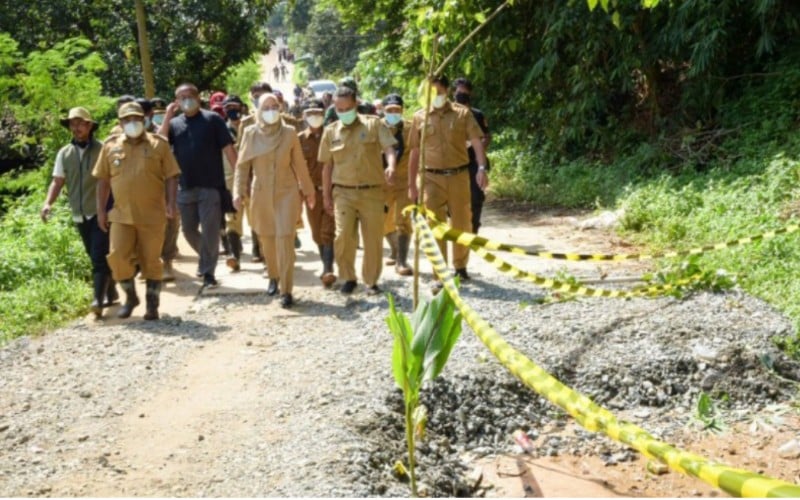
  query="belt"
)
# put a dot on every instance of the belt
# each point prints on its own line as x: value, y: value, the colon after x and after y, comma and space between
x: 447, y: 171
x: 360, y: 186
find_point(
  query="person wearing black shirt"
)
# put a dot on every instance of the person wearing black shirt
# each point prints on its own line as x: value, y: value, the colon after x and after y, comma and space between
x: 463, y: 93
x: 199, y: 138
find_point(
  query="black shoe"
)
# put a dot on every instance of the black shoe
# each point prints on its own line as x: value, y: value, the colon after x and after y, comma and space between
x: 272, y: 289
x: 286, y: 300
x: 374, y: 290
x: 349, y: 286
x: 198, y: 274
x: 462, y: 274
x: 209, y: 281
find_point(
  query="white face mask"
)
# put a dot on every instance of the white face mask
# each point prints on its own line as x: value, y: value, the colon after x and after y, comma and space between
x: 439, y: 101
x: 189, y: 104
x: 270, y: 116
x: 314, y: 121
x: 133, y: 129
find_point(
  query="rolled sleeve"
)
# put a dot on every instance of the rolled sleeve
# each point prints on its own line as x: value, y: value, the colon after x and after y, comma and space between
x: 385, y: 136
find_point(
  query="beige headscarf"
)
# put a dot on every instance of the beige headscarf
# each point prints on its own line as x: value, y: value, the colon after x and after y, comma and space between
x: 263, y: 137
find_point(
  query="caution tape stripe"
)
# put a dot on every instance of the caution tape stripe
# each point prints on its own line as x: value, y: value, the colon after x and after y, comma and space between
x: 560, y: 286
x: 590, y: 415
x: 470, y: 239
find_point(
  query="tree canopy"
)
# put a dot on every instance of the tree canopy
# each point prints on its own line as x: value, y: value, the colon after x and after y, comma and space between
x: 190, y: 40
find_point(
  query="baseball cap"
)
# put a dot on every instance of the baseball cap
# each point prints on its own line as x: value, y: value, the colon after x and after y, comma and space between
x: 130, y: 109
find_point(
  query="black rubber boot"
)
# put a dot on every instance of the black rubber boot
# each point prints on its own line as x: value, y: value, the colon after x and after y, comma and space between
x: 152, y: 299
x: 328, y: 278
x: 99, y: 287
x: 131, y: 299
x: 403, y: 242
x: 235, y: 242
x: 391, y: 239
x: 226, y: 245
x: 112, y: 295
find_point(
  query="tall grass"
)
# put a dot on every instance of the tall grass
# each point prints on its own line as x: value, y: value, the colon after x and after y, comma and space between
x: 44, y: 270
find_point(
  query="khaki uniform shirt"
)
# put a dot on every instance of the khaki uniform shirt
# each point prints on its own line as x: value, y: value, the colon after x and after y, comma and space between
x: 355, y: 151
x: 401, y: 166
x: 310, y: 145
x: 448, y: 131
x: 138, y: 174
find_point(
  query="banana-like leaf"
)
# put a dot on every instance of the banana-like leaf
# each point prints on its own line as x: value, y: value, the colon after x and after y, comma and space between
x: 401, y: 352
x: 437, y: 327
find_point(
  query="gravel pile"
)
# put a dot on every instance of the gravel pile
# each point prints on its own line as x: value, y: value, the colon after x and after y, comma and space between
x: 322, y: 416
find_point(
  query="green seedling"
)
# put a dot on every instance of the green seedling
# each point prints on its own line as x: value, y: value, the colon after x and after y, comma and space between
x: 708, y: 415
x: 422, y: 346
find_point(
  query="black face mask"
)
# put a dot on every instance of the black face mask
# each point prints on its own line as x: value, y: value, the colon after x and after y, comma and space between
x: 80, y: 144
x: 462, y: 98
x: 233, y: 114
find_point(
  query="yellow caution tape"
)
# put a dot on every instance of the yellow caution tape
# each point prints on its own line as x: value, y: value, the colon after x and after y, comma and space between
x: 561, y: 286
x: 470, y: 239
x: 591, y: 416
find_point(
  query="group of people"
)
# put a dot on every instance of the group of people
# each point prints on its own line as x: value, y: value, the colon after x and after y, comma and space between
x: 353, y: 167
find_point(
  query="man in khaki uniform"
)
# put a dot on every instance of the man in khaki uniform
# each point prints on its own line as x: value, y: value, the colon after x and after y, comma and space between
x: 396, y: 226
x: 323, y: 225
x: 353, y: 179
x: 137, y: 167
x: 446, y: 170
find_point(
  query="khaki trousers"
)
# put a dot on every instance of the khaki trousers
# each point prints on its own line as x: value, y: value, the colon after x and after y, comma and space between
x: 354, y: 207
x: 323, y: 226
x: 279, y: 253
x: 396, y: 199
x: 135, y: 242
x: 450, y: 194
x: 234, y: 221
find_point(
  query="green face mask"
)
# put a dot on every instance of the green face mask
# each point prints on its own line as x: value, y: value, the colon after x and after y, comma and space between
x: 347, y: 117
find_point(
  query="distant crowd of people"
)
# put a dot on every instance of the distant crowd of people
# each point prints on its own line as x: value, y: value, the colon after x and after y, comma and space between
x: 201, y: 165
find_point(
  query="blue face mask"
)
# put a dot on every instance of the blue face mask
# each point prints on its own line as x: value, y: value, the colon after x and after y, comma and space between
x: 347, y: 117
x: 393, y: 118
x: 233, y: 114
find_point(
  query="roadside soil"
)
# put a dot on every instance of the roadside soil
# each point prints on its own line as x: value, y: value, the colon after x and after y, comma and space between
x: 226, y: 387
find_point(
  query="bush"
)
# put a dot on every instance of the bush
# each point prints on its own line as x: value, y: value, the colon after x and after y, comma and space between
x: 44, y: 270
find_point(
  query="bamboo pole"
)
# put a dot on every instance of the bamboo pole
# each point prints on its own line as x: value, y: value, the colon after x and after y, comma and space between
x: 144, y: 51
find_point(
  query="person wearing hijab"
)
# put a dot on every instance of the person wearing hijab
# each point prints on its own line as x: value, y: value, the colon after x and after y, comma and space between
x: 271, y: 151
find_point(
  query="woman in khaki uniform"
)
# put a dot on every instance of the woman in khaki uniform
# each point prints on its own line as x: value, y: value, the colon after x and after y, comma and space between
x: 272, y: 152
